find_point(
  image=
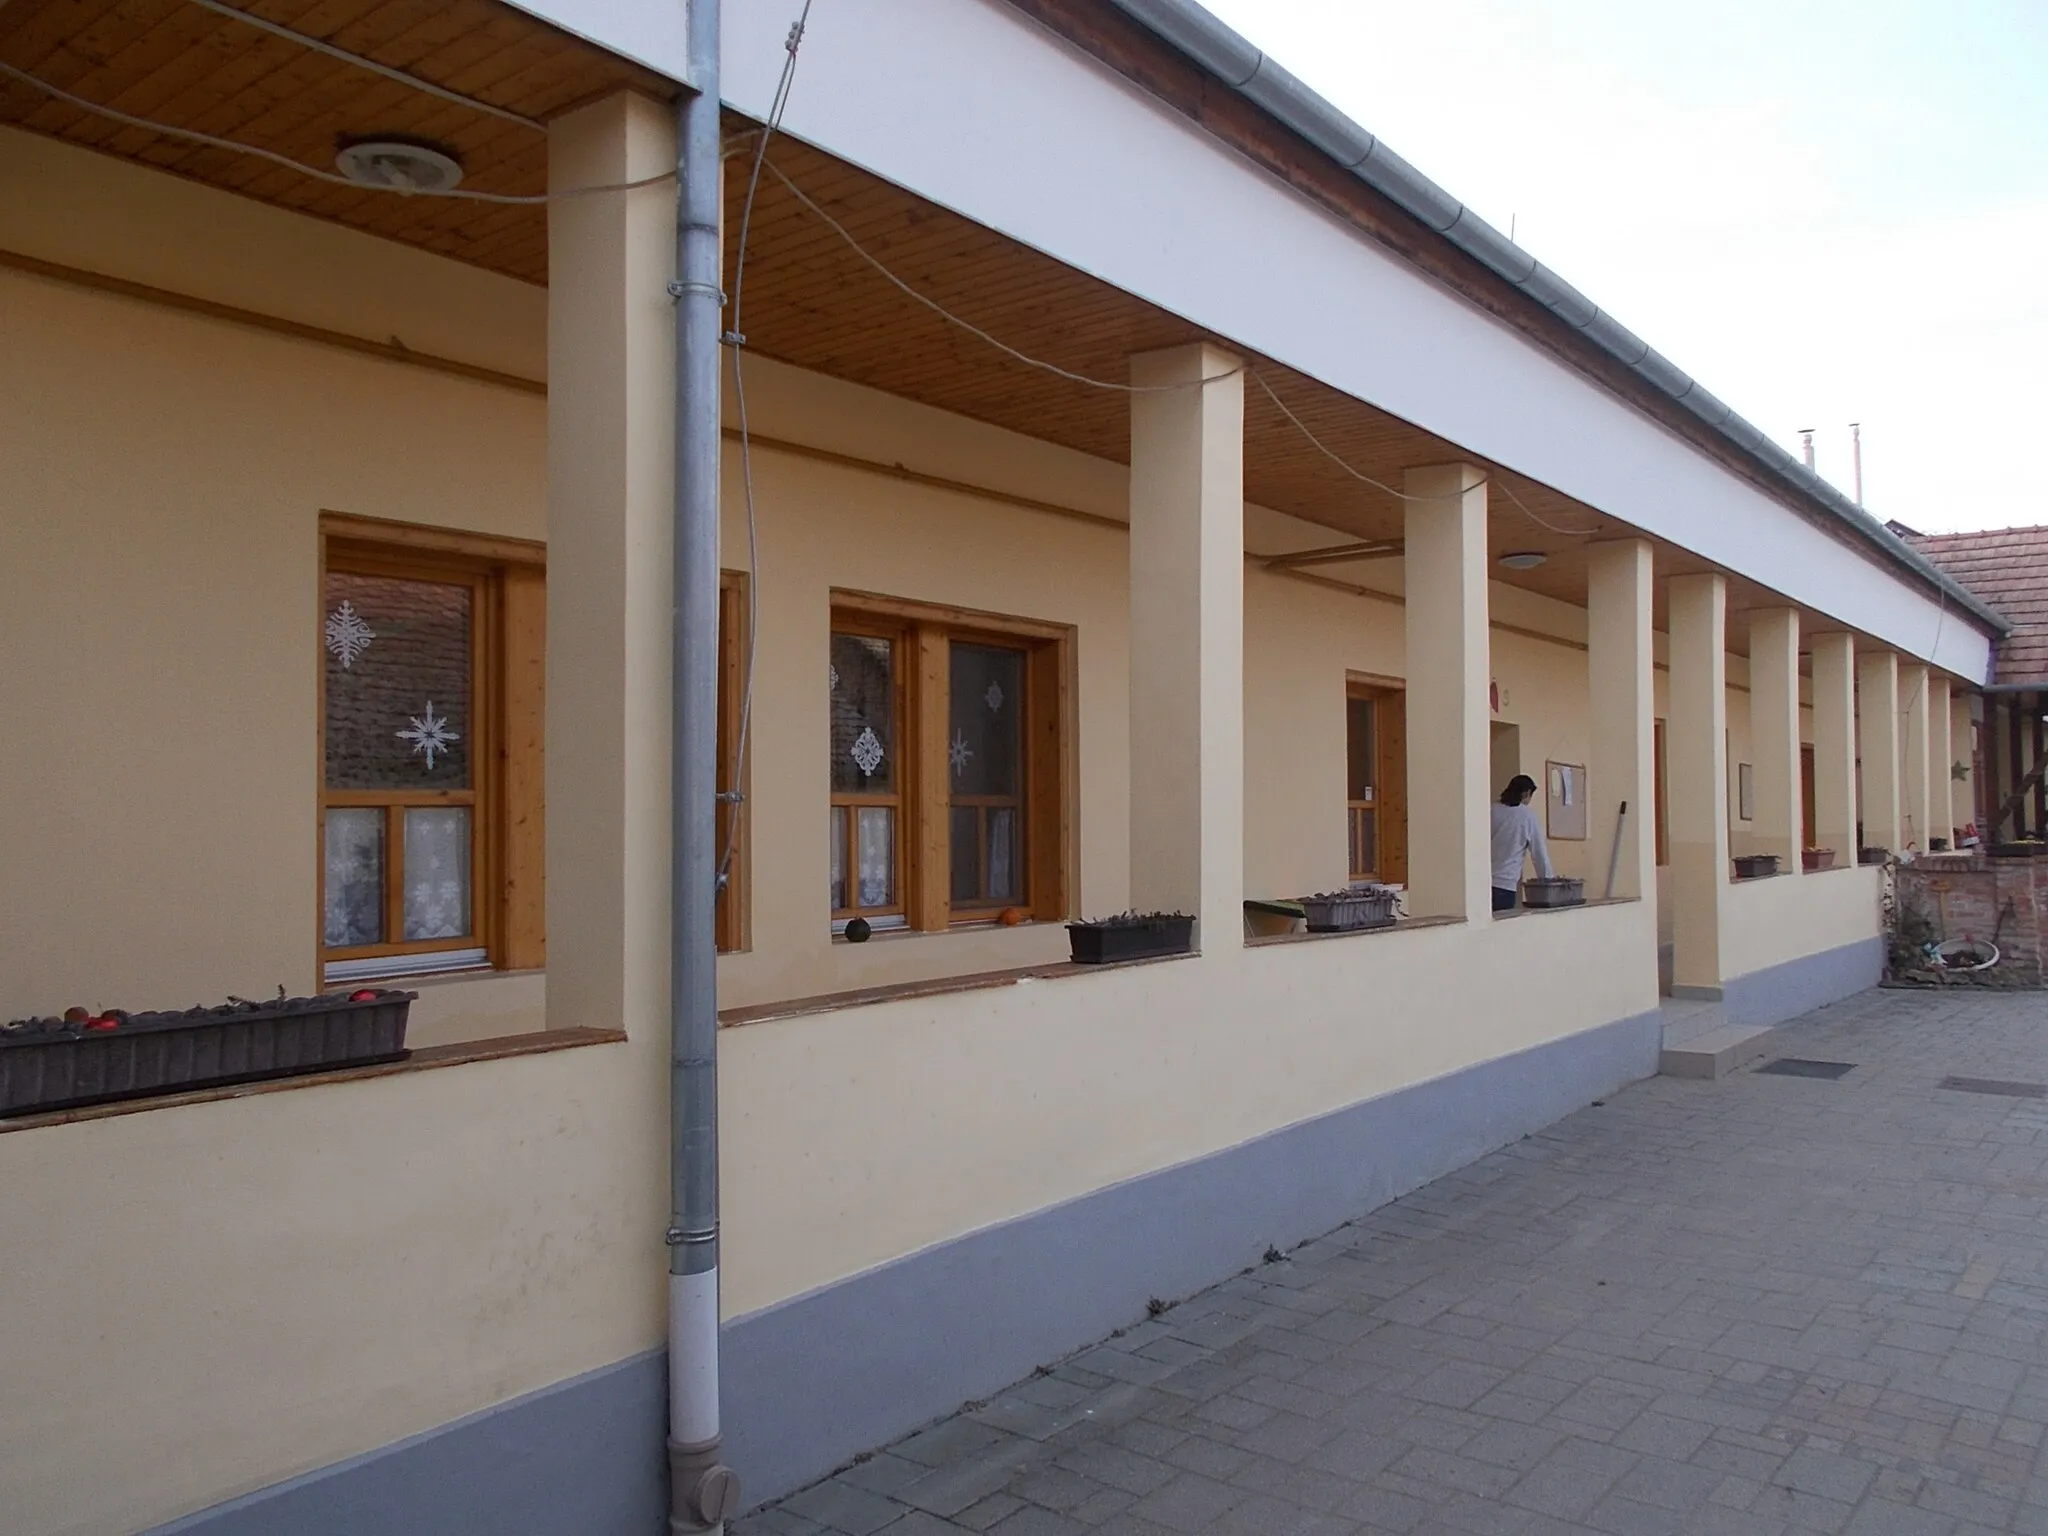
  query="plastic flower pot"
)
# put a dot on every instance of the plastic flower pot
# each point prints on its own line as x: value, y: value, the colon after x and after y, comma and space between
x: 1754, y: 866
x: 1369, y: 906
x: 49, y: 1064
x: 1812, y: 859
x: 1131, y: 937
x: 1561, y: 891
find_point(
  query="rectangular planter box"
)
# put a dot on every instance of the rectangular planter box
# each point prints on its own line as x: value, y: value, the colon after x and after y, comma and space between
x: 1754, y: 866
x: 1106, y: 943
x: 2017, y: 850
x: 1350, y: 911
x: 1872, y: 855
x: 1563, y: 891
x: 1812, y: 859
x: 158, y: 1053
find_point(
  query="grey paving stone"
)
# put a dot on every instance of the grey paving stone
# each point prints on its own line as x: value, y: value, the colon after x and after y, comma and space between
x: 1190, y: 1502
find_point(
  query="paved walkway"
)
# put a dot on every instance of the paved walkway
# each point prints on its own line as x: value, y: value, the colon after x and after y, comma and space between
x: 1764, y: 1304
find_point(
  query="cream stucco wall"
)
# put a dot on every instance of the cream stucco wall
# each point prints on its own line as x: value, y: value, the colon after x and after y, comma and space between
x: 1768, y: 922
x: 159, y: 608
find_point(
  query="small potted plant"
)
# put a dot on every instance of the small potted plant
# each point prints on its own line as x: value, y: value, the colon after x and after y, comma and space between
x: 88, y: 1057
x: 1131, y: 936
x: 1754, y: 866
x: 1363, y: 906
x: 1811, y: 859
x: 1872, y: 855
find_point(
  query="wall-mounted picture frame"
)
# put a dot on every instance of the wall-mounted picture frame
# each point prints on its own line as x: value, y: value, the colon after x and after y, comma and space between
x: 1745, y: 792
x: 1564, y: 797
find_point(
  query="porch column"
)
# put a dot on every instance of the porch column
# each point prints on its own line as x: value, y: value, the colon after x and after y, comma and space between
x: 1187, y: 640
x: 1834, y: 745
x: 1774, y: 732
x: 1915, y: 800
x: 1449, y: 831
x: 1877, y: 727
x: 1941, y: 821
x: 1696, y: 769
x: 611, y: 409
x: 1618, y: 664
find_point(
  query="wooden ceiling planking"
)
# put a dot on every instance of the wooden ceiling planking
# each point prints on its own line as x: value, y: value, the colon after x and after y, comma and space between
x: 189, y: 67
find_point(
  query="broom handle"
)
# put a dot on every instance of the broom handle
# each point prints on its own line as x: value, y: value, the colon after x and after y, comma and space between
x: 1614, y: 858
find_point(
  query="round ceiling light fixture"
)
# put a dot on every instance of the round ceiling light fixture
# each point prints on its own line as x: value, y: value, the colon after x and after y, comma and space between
x: 1524, y: 559
x: 398, y: 165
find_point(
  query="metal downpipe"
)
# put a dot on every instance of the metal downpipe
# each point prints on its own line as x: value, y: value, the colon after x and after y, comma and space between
x: 703, y: 1492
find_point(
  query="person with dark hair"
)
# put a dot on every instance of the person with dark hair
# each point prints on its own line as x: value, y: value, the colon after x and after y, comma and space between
x: 1517, y: 833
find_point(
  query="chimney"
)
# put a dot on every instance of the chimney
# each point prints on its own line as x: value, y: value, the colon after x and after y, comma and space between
x: 1806, y: 445
x: 1856, y: 456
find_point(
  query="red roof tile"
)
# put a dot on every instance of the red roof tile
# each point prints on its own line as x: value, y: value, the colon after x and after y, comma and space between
x: 2008, y: 568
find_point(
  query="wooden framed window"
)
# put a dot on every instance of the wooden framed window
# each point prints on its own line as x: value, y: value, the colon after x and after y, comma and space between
x: 431, y: 813
x: 951, y: 741
x: 1376, y: 782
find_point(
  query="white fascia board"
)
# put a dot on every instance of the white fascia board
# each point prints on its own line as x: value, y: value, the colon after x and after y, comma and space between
x: 970, y: 104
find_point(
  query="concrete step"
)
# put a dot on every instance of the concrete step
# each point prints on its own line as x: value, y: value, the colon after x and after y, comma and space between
x: 1717, y: 1052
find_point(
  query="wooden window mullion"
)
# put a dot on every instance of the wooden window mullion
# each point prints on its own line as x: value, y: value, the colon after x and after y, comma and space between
x: 928, y: 883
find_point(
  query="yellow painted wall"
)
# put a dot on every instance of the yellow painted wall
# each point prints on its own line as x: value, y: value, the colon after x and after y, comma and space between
x: 1767, y: 922
x: 1107, y: 1076
x: 159, y: 608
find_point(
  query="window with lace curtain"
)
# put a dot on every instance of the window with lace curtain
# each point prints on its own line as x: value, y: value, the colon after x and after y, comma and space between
x: 949, y: 739
x: 430, y: 743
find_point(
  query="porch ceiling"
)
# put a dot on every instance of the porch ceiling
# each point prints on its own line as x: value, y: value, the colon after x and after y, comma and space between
x: 175, y: 62
x: 812, y: 301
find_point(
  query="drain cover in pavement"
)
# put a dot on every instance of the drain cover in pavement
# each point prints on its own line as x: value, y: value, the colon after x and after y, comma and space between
x: 1994, y: 1085
x: 1794, y: 1066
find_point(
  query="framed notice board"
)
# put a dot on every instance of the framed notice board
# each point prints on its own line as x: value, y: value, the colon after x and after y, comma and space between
x: 1564, y: 795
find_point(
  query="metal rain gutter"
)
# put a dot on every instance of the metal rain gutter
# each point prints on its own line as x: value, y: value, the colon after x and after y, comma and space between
x: 1215, y: 47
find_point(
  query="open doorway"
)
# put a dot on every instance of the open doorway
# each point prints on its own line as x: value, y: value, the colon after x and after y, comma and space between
x: 1507, y: 756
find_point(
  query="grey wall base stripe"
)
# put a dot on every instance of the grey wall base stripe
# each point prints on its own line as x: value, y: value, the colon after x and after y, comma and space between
x: 585, y: 1457
x: 1782, y: 992
x: 814, y: 1381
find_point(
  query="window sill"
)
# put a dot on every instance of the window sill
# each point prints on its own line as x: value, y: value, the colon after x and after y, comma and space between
x: 423, y: 1060
x: 1577, y: 906
x: 962, y: 925
x: 1399, y: 925
x: 939, y: 986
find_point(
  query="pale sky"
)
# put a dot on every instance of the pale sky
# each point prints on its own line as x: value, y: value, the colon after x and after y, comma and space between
x: 1825, y: 211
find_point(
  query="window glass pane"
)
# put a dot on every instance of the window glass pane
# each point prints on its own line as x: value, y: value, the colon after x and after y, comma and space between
x: 838, y: 859
x: 986, y: 737
x: 398, y: 672
x: 354, y: 861
x: 863, y: 685
x: 1362, y: 753
x: 966, y: 853
x: 437, y: 872
x: 877, y: 855
x: 1365, y: 841
x: 1003, y: 854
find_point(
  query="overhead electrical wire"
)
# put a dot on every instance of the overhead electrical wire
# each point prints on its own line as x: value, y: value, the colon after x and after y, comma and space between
x: 213, y: 141
x: 319, y: 45
x: 736, y: 341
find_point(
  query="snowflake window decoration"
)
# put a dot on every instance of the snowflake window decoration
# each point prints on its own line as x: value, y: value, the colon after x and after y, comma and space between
x: 832, y: 677
x: 867, y: 751
x: 347, y: 635
x: 429, y: 734
x: 994, y: 697
x: 959, y: 754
